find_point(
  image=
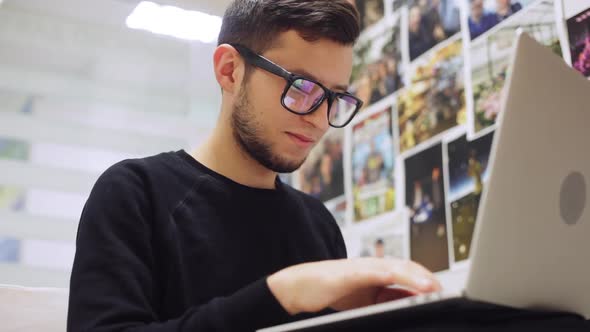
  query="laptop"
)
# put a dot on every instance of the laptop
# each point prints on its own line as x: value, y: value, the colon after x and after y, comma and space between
x: 532, y: 236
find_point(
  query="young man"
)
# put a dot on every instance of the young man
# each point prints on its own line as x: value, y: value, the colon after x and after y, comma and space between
x: 213, y: 241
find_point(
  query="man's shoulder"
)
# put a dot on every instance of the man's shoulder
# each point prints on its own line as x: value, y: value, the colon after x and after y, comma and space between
x: 132, y: 169
x: 147, y: 163
x: 139, y: 174
x: 150, y: 183
x: 158, y: 164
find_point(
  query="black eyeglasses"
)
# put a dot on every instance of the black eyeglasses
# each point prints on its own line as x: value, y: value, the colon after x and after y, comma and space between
x: 303, y: 95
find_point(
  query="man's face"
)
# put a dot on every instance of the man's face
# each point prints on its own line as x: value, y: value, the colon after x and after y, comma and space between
x: 503, y: 3
x: 414, y: 20
x: 275, y: 137
x: 476, y: 8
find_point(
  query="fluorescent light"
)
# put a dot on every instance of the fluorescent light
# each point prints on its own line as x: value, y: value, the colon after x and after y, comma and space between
x: 175, y: 22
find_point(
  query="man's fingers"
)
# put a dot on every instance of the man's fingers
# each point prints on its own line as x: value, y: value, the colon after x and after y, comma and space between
x: 384, y: 272
x: 421, y: 272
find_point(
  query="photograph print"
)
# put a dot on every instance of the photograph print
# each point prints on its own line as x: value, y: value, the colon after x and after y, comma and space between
x: 468, y: 173
x: 382, y: 243
x: 377, y: 63
x: 322, y: 173
x: 431, y: 22
x: 373, y: 165
x: 491, y: 56
x: 370, y: 12
x: 425, y: 199
x: 578, y: 28
x: 435, y: 99
x: 485, y: 14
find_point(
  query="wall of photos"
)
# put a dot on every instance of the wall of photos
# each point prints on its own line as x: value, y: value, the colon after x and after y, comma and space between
x: 406, y: 177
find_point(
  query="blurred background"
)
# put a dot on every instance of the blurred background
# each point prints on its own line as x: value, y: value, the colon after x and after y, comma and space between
x: 87, y: 83
x: 79, y: 91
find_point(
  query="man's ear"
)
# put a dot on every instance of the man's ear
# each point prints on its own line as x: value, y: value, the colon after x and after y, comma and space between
x: 229, y: 68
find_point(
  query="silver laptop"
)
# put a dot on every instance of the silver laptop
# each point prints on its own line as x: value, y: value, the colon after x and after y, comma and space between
x: 531, y: 243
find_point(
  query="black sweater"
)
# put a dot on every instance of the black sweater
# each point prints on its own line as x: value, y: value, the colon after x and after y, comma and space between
x: 166, y: 244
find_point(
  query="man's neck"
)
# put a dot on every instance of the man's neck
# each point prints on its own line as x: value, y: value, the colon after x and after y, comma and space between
x: 222, y: 154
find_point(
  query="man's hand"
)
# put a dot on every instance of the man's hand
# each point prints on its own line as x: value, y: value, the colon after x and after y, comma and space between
x: 348, y: 283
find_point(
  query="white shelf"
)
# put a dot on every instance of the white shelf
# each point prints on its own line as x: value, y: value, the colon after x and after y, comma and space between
x: 17, y: 274
x: 24, y: 175
x: 23, y: 226
x: 31, y: 128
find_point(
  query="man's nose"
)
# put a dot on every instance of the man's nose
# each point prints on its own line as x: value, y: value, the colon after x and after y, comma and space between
x: 319, y: 117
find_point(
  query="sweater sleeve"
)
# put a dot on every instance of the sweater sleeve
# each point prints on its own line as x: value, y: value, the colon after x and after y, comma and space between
x: 112, y: 282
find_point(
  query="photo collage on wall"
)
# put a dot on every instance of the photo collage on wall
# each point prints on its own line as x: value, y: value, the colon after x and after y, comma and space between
x: 373, y: 165
x: 467, y: 173
x: 578, y: 29
x: 415, y: 159
x: 435, y: 100
x: 381, y: 237
x: 378, y: 63
x: 322, y: 174
x: 425, y: 199
x: 431, y: 22
x: 490, y: 55
x: 382, y: 241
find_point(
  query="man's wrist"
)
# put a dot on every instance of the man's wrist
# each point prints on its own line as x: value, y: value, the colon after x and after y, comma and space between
x: 279, y: 288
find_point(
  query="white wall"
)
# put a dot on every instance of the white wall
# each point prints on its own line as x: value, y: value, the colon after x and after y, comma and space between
x: 77, y: 96
x: 573, y: 7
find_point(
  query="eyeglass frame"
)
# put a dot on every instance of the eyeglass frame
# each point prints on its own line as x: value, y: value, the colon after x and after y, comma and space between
x: 265, y: 64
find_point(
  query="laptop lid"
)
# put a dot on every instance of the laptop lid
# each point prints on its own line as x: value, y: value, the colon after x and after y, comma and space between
x: 532, y: 238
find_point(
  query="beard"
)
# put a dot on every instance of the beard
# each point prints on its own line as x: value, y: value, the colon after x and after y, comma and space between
x: 248, y: 133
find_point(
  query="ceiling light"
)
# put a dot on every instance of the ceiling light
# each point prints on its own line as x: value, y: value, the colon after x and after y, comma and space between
x: 174, y: 21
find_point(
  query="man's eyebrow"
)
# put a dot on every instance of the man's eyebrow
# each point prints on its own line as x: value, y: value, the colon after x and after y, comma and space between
x: 303, y: 72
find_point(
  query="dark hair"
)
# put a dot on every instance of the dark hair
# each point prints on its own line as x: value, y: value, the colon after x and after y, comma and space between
x: 256, y: 24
